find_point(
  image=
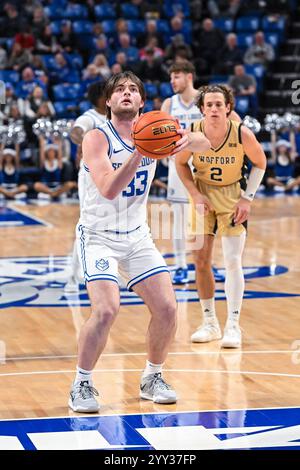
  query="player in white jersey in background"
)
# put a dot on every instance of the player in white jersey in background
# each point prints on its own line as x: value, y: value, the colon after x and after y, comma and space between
x: 89, y: 120
x: 113, y: 236
x: 181, y: 106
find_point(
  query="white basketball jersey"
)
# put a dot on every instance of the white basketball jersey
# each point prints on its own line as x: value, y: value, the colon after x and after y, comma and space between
x: 186, y: 115
x: 129, y: 209
x: 89, y: 120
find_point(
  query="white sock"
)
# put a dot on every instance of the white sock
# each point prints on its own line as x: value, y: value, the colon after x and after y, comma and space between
x: 208, y: 310
x: 152, y: 368
x: 180, y: 221
x: 234, y: 283
x: 83, y: 375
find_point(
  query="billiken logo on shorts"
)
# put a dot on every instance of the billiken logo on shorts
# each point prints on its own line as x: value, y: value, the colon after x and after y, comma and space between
x: 102, y: 264
x: 163, y: 129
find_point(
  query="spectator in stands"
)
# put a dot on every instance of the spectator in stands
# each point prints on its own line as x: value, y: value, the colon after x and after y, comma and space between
x: 26, y: 86
x: 116, y: 68
x: 229, y: 56
x: 66, y: 38
x: 223, y: 8
x: 157, y: 102
x: 90, y: 75
x: 38, y: 66
x: 150, y: 33
x: 208, y: 44
x: 47, y: 42
x: 244, y: 84
x: 51, y: 168
x: 9, y: 173
x: 18, y: 57
x: 101, y: 46
x: 177, y: 27
x: 3, y: 58
x: 10, y: 98
x: 150, y: 69
x: 25, y: 37
x: 121, y: 26
x: 39, y: 21
x: 152, y: 44
x: 121, y: 59
x: 61, y: 69
x: 102, y: 66
x: 177, y: 44
x: 260, y: 52
x: 37, y: 105
x: 29, y: 7
x: 280, y: 171
x: 131, y: 52
x: 12, y: 21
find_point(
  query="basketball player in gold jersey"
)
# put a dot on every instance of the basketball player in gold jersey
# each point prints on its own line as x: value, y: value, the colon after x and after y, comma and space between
x: 217, y: 186
x: 182, y: 106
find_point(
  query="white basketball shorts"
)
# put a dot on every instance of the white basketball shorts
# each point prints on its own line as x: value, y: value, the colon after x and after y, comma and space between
x: 105, y: 254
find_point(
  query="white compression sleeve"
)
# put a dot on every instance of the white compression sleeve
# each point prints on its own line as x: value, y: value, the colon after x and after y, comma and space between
x: 255, y: 178
x: 234, y: 283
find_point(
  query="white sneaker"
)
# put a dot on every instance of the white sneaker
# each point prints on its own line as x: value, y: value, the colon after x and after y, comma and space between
x: 232, y: 337
x: 207, y: 332
x: 72, y: 285
x: 82, y: 398
x: 153, y: 387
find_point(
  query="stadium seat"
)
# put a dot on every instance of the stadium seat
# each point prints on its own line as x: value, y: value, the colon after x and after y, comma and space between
x: 269, y: 23
x: 136, y: 26
x: 172, y: 8
x: 244, y: 40
x: 129, y: 11
x: 163, y: 26
x: 105, y: 11
x: 82, y: 27
x: 67, y: 91
x: 225, y: 24
x: 218, y: 79
x: 165, y: 90
x: 241, y: 105
x: 84, y: 106
x: 66, y: 109
x: 247, y: 23
x: 75, y: 11
x: 148, y: 106
x: 10, y: 76
x: 151, y: 90
x: 273, y: 39
x: 109, y: 27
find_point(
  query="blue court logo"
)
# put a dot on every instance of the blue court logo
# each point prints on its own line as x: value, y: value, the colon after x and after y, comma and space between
x: 206, y: 430
x: 102, y: 264
x: 40, y: 282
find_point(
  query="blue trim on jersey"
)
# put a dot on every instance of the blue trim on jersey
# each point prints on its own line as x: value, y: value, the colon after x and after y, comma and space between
x: 115, y: 133
x: 159, y: 269
x: 80, y: 228
x: 103, y: 277
x: 108, y: 140
x: 122, y: 233
x: 183, y: 105
x: 86, y: 168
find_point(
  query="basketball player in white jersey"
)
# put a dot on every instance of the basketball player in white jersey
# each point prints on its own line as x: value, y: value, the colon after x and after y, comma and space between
x: 182, y: 106
x: 89, y: 120
x: 113, y: 236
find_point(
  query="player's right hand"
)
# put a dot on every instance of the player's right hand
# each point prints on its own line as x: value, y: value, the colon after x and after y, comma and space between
x: 202, y: 204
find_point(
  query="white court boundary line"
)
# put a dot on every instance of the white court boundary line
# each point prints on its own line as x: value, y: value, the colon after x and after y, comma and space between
x: 174, y: 353
x: 66, y: 371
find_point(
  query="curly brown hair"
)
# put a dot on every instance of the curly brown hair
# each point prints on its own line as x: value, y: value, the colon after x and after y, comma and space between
x: 225, y: 90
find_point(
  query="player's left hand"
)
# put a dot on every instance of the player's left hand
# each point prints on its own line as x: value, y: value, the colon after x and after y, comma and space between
x: 242, y: 211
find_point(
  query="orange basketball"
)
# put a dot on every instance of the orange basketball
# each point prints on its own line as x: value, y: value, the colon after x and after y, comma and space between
x: 155, y: 134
